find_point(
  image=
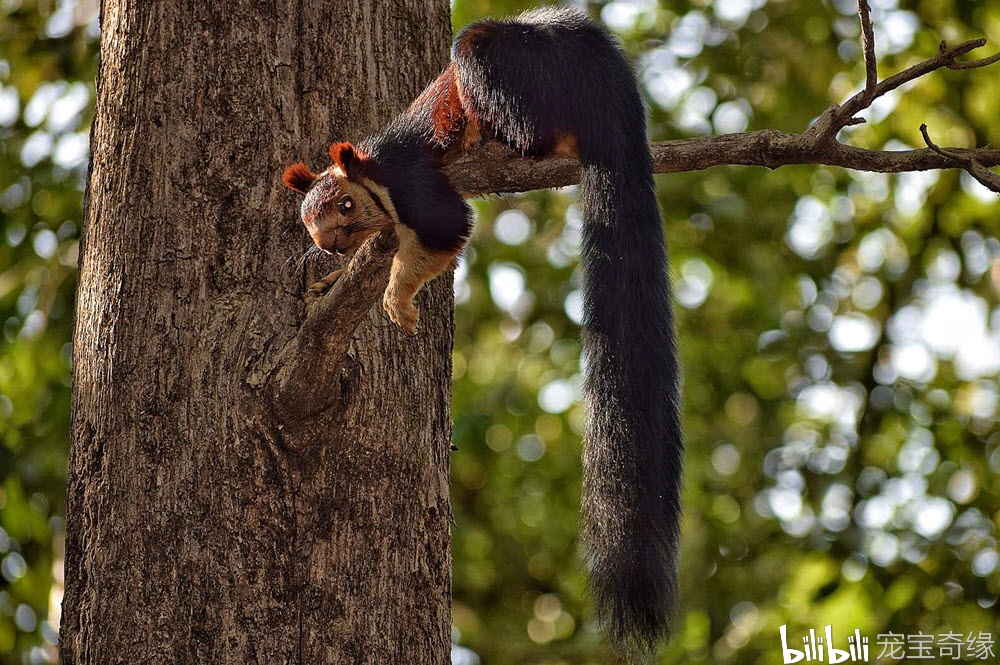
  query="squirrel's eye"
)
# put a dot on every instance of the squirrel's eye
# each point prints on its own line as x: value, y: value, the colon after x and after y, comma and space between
x: 346, y: 205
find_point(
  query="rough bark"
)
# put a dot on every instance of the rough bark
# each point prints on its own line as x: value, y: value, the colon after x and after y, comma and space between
x: 204, y: 524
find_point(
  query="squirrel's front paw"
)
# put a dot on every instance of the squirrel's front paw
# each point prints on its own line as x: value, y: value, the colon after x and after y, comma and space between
x: 402, y: 312
x: 317, y: 289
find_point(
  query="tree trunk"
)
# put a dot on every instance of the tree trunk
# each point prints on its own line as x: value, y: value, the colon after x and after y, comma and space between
x: 204, y: 524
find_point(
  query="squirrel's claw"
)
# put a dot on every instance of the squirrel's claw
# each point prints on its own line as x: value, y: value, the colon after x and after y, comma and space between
x: 318, y: 289
x: 403, y: 313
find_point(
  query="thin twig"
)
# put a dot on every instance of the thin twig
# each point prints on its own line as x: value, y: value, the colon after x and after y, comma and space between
x: 944, y: 58
x: 836, y: 117
x: 973, y: 166
x: 973, y: 64
x: 868, y: 45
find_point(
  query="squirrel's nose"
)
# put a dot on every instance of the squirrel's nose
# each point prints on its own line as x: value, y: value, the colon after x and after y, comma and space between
x: 341, y: 242
x: 327, y: 241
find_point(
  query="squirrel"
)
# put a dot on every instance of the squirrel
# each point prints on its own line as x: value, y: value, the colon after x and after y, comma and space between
x: 547, y: 81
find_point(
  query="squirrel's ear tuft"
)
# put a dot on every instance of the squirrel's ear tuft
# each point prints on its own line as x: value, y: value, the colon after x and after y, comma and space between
x: 298, y: 178
x: 347, y: 157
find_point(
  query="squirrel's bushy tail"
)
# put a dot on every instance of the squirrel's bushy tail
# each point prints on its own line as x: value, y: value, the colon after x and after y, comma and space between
x: 528, y: 81
x: 633, y: 451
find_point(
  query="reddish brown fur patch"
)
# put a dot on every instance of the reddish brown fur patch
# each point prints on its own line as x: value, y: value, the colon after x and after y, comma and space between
x: 298, y: 178
x: 567, y: 146
x: 472, y: 135
x: 442, y: 104
x: 349, y: 159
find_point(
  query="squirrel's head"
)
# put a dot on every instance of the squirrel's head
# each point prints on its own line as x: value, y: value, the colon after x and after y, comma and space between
x: 343, y: 205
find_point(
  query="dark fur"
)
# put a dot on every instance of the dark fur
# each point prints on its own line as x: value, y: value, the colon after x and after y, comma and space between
x: 529, y: 82
x: 406, y: 160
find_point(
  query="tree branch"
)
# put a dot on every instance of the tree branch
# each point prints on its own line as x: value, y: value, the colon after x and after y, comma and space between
x: 305, y: 382
x: 309, y: 365
x: 868, y: 46
x: 837, y: 117
x: 493, y: 168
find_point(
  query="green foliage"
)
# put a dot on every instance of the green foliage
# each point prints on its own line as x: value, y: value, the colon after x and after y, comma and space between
x: 842, y: 454
x: 47, y: 57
